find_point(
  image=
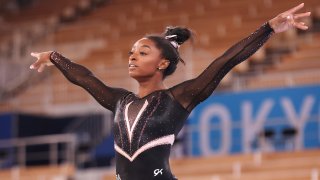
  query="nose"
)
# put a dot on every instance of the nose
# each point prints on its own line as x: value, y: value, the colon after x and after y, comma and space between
x: 132, y: 57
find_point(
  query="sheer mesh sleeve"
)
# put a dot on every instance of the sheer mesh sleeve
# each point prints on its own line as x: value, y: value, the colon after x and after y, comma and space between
x: 192, y: 92
x: 81, y: 76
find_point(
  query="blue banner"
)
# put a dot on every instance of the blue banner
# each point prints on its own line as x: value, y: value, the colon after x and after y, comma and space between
x: 232, y: 122
x: 7, y: 155
x: 6, y: 123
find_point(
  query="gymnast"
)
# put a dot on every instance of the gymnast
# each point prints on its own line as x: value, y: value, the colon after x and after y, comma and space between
x: 146, y: 122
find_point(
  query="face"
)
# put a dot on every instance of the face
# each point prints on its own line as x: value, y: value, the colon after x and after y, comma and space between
x: 144, y: 59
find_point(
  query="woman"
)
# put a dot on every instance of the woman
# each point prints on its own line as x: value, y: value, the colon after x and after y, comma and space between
x: 146, y: 123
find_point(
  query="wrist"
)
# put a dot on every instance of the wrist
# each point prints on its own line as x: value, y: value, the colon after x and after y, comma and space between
x: 271, y: 24
x: 51, y: 54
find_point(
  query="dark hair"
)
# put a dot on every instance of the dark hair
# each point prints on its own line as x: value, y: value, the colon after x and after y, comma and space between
x: 168, y: 51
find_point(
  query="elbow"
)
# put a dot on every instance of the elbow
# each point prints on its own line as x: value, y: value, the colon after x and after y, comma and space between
x: 79, y: 79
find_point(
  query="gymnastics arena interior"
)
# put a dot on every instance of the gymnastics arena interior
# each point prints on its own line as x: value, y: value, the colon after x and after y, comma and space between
x: 261, y: 123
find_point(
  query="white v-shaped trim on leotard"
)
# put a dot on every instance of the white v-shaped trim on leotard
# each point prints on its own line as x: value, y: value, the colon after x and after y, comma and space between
x: 169, y: 139
x: 131, y: 129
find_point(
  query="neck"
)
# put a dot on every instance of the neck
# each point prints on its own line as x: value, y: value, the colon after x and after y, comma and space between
x: 148, y: 86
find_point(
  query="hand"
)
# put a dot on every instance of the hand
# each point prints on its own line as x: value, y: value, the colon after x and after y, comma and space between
x: 289, y: 19
x: 43, y: 60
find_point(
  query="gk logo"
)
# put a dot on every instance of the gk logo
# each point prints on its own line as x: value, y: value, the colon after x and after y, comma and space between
x: 157, y: 171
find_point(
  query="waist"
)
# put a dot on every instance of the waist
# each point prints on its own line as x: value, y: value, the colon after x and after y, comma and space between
x: 151, y: 164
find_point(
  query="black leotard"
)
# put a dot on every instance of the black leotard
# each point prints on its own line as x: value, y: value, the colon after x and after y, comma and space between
x: 145, y: 127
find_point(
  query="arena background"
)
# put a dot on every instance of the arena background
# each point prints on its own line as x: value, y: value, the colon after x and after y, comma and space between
x: 263, y: 121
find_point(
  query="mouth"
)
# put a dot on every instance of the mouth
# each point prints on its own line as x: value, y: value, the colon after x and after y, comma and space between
x: 132, y: 66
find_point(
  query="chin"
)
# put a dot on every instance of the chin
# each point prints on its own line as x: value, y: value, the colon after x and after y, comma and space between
x: 134, y: 75
x: 138, y: 76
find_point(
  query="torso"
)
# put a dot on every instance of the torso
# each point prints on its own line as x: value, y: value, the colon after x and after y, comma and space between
x: 144, y: 130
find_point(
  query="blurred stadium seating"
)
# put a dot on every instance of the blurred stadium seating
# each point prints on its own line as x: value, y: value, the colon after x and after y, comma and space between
x: 99, y: 33
x: 101, y: 38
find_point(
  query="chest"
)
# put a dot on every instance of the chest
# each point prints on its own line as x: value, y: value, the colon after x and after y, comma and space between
x: 153, y: 112
x: 150, y: 117
x: 142, y: 123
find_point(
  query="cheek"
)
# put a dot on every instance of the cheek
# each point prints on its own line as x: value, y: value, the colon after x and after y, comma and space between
x: 150, y: 63
x: 147, y: 67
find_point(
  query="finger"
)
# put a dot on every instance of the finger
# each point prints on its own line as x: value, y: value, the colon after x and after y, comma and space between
x: 41, y: 68
x: 301, y: 25
x: 293, y: 10
x: 36, y: 55
x: 31, y: 66
x: 35, y: 65
x: 302, y: 15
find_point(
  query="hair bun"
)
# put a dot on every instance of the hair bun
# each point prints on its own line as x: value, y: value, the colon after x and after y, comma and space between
x: 182, y: 34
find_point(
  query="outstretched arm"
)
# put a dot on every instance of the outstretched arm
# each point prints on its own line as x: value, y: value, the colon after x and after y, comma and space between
x: 81, y: 76
x: 192, y: 92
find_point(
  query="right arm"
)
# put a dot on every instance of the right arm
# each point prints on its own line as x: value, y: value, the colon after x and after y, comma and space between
x: 81, y: 76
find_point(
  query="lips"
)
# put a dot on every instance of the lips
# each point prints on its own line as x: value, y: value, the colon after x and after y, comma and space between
x: 131, y: 65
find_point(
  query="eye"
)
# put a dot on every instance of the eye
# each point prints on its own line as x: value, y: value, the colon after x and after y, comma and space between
x: 130, y: 53
x: 143, y: 53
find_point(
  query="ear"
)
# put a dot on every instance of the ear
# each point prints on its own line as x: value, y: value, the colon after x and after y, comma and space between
x: 164, y: 63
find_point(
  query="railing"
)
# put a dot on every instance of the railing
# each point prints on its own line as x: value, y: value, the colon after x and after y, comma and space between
x: 91, y: 128
x: 21, y: 145
x: 90, y: 131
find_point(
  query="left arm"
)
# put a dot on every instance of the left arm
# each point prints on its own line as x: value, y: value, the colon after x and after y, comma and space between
x: 192, y: 92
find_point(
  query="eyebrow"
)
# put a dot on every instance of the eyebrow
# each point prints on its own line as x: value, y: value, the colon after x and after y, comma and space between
x: 146, y: 46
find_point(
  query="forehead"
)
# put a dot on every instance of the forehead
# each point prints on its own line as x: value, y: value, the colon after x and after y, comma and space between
x: 143, y: 42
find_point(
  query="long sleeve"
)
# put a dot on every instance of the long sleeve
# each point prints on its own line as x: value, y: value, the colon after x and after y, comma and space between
x: 192, y: 92
x: 81, y: 76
